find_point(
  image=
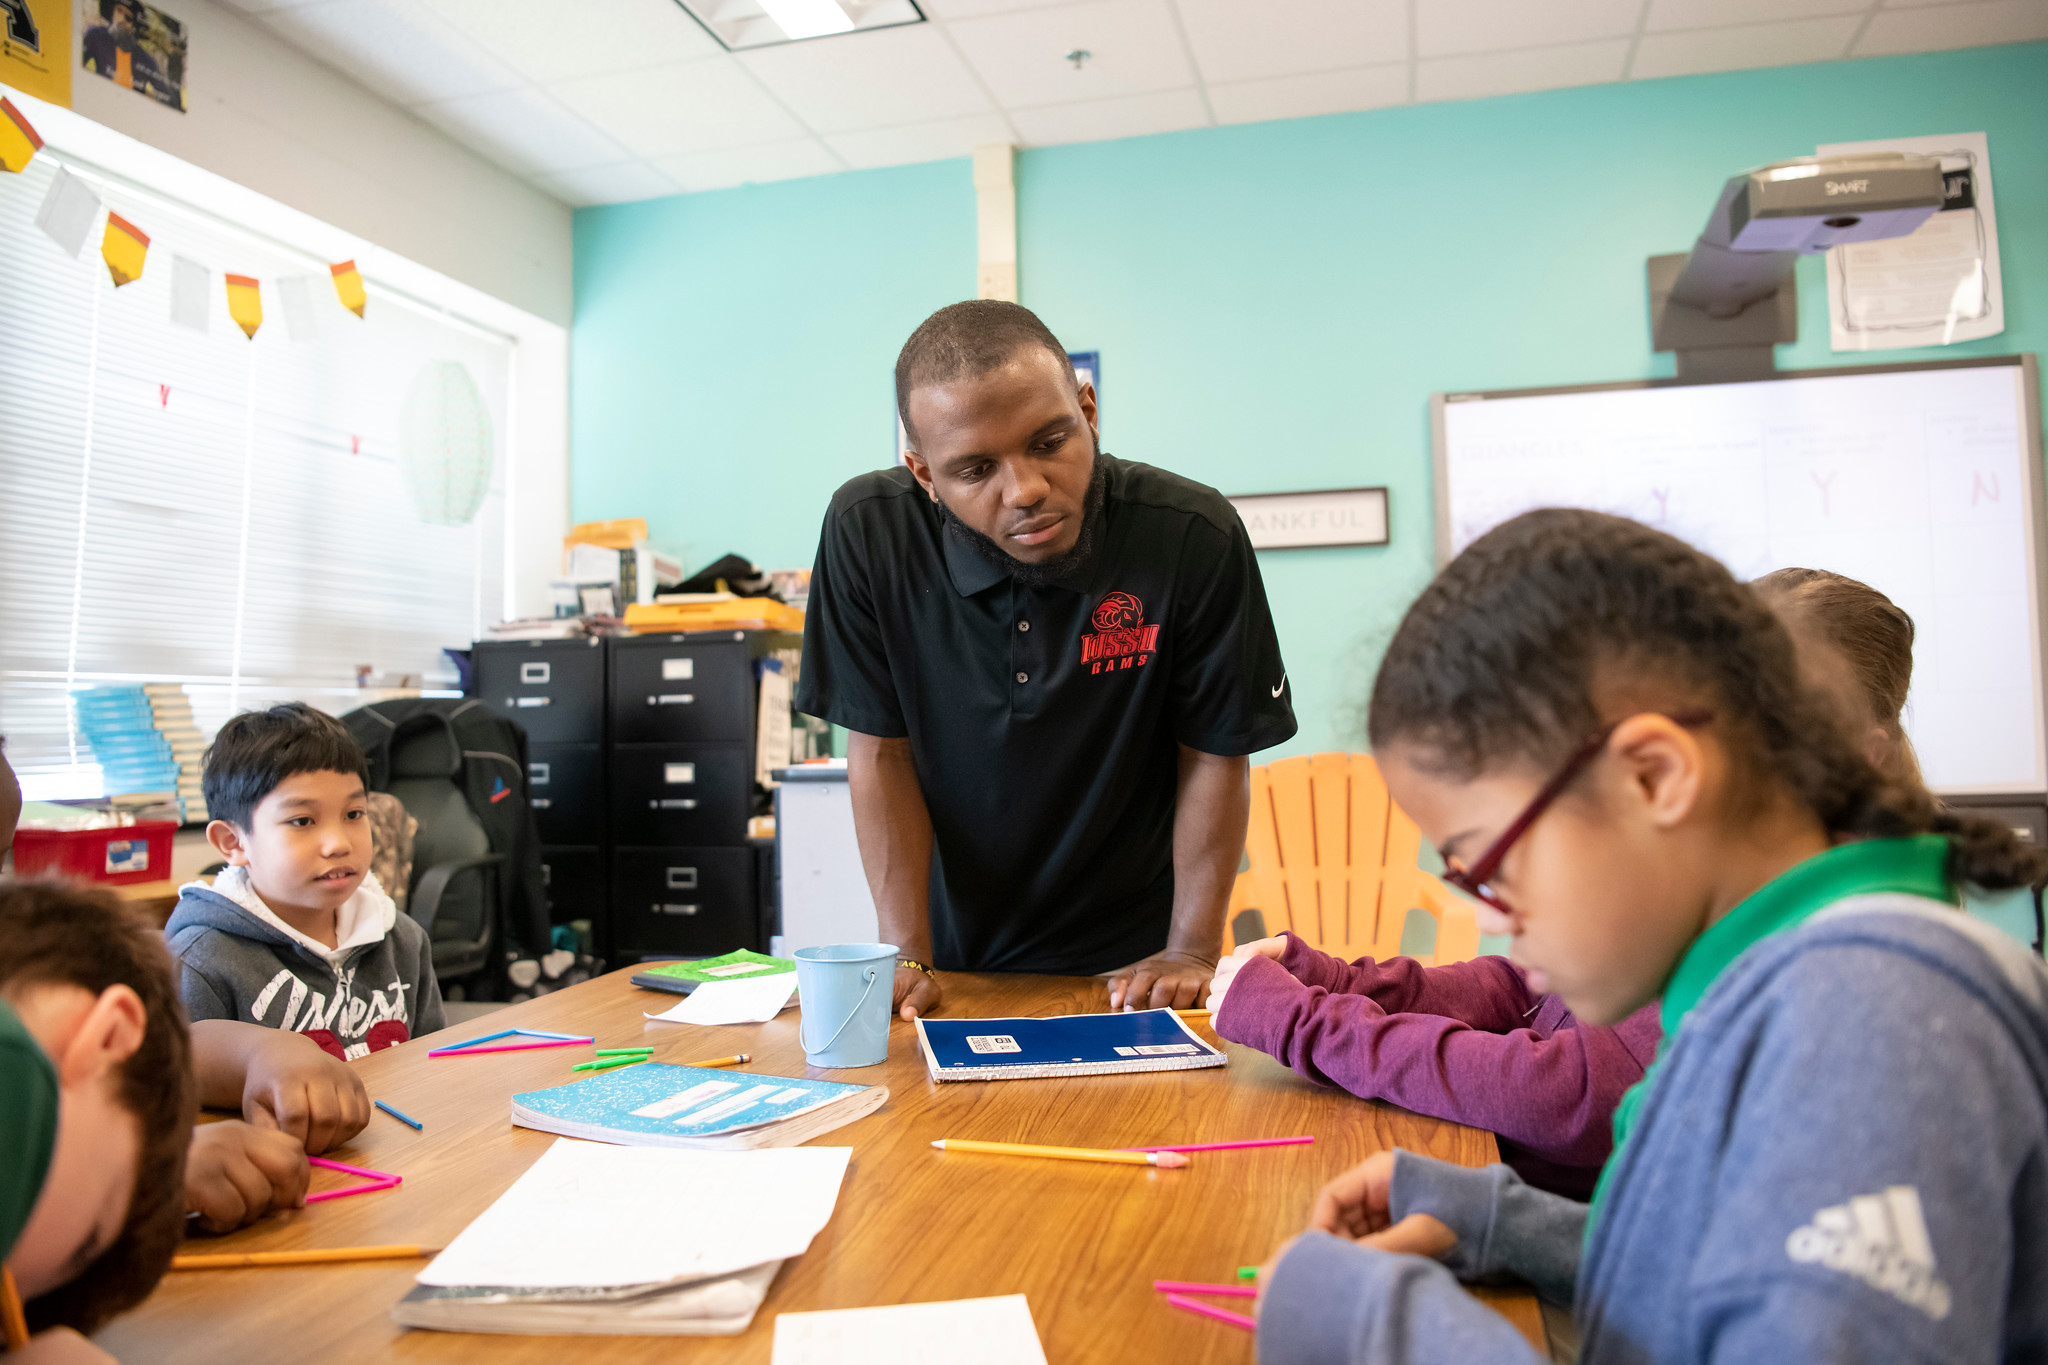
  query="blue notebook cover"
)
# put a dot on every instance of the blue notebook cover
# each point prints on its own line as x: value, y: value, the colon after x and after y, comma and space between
x: 1064, y: 1045
x: 655, y: 1104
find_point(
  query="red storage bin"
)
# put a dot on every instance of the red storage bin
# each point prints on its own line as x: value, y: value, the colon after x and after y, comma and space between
x: 140, y: 852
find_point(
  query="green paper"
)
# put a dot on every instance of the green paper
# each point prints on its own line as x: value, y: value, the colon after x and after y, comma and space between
x: 706, y: 968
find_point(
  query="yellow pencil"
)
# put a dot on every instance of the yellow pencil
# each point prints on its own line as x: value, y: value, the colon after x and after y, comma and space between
x: 1192, y: 1014
x: 315, y: 1257
x: 741, y: 1059
x: 1168, y: 1159
x: 12, y: 1319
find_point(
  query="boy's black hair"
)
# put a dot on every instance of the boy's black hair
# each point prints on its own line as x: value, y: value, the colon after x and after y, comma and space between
x: 963, y: 340
x: 259, y: 749
x: 1502, y: 657
x: 64, y: 933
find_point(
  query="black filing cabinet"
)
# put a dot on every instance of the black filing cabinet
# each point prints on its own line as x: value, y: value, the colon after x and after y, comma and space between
x: 556, y: 689
x: 683, y: 714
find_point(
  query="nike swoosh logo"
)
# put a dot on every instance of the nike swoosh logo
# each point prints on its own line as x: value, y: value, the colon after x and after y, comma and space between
x: 1282, y: 687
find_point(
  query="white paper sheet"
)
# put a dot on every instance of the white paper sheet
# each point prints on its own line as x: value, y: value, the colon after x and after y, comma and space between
x: 996, y: 1331
x: 590, y: 1213
x: 1934, y: 286
x: 754, y: 1000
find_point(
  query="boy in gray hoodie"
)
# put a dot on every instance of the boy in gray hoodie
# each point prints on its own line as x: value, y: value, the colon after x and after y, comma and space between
x: 296, y: 933
x: 1841, y: 1152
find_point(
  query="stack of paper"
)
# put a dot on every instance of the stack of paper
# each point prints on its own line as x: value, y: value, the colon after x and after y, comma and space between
x: 577, y: 1245
x: 748, y: 1000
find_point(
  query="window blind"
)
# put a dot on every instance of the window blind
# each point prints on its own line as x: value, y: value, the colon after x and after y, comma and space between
x: 208, y: 509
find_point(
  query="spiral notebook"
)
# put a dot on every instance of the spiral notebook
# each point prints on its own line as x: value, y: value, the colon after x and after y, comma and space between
x: 1064, y: 1045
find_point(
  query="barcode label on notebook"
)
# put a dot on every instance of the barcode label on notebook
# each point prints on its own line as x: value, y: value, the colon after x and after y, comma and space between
x: 1165, y: 1050
x: 992, y: 1042
x: 1127, y: 1052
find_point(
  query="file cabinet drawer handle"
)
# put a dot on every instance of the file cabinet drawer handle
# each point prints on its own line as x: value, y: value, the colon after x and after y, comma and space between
x: 533, y: 673
x: 523, y: 703
x: 540, y: 803
x: 674, y: 803
x: 682, y: 879
x: 669, y: 908
x: 537, y: 774
x: 672, y: 699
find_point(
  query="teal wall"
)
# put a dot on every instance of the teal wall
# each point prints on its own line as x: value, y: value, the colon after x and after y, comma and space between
x: 1274, y: 303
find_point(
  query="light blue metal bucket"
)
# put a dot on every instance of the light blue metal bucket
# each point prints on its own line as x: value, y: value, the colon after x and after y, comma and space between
x: 846, y: 990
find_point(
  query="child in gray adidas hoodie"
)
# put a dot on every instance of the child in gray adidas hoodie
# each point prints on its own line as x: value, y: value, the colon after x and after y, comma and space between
x: 1841, y: 1153
x: 296, y: 933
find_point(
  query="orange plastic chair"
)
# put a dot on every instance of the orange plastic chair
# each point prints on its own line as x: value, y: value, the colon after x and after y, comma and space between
x: 1330, y: 857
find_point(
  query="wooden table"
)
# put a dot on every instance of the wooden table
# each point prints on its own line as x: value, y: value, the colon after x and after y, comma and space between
x: 1082, y: 1241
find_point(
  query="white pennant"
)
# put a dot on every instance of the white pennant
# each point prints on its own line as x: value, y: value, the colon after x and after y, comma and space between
x: 298, y: 308
x: 190, y: 289
x: 68, y: 212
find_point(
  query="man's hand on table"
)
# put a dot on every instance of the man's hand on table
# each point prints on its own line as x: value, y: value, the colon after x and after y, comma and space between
x: 1226, y: 970
x: 236, y: 1172
x: 1168, y: 980
x: 916, y: 993
x: 293, y: 1085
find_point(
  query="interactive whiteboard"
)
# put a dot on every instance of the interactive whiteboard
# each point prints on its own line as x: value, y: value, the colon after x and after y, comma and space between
x: 1924, y: 481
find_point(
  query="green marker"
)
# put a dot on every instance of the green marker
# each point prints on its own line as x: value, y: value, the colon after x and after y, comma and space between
x: 1247, y: 1272
x: 624, y: 1051
x: 607, y: 1063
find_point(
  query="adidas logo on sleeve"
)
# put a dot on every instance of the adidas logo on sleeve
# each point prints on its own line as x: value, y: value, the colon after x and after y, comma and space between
x: 1882, y: 1240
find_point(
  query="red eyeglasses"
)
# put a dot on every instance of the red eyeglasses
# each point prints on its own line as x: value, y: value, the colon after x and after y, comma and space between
x: 1473, y: 881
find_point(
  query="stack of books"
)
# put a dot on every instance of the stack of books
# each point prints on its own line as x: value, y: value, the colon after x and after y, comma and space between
x: 145, y: 740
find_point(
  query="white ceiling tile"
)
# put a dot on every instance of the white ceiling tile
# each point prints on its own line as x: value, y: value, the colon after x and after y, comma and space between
x: 1509, y: 73
x: 1281, y: 37
x: 546, y: 40
x: 404, y: 53
x: 918, y: 141
x: 1128, y: 116
x: 1936, y: 28
x: 1744, y: 47
x: 620, y: 184
x: 744, y: 165
x: 684, y: 107
x: 974, y: 9
x: 1023, y: 56
x: 1447, y: 27
x: 1326, y: 92
x: 1669, y: 14
x: 526, y: 131
x: 870, y: 80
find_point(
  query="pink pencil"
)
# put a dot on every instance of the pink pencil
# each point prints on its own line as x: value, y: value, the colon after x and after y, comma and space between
x: 507, y: 1047
x: 379, y: 1180
x: 1235, y: 1291
x: 1222, y: 1146
x: 1220, y: 1314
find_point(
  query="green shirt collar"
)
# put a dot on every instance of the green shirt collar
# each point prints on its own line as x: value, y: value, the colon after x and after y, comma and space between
x: 1917, y: 866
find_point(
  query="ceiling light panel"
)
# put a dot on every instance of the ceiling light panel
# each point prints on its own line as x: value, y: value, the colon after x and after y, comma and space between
x: 742, y: 24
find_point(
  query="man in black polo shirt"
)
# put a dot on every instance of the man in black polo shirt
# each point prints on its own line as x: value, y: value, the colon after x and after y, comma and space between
x: 1052, y: 664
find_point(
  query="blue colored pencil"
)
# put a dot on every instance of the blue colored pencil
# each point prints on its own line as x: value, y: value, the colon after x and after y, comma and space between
x: 404, y: 1118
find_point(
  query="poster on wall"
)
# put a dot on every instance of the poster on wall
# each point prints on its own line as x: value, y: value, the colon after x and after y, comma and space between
x: 35, y: 48
x: 137, y: 46
x: 1936, y: 285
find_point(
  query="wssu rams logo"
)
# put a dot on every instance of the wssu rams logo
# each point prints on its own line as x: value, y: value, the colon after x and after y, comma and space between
x: 1121, y: 638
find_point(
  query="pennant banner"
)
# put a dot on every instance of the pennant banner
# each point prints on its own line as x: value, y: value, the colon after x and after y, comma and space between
x: 68, y: 212
x: 123, y: 247
x: 18, y: 141
x: 245, y: 304
x: 188, y: 293
x: 348, y: 286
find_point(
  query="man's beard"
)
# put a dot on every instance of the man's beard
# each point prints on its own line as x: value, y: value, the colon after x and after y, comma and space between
x: 1046, y: 572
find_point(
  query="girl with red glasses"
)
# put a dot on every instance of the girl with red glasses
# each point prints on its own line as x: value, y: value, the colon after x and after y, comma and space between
x: 1841, y: 1152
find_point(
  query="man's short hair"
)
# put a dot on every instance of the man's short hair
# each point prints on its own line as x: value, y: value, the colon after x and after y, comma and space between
x: 963, y: 340
x: 259, y: 749
x: 64, y: 934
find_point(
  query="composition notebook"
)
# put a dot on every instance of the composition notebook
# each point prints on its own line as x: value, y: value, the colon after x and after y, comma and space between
x: 684, y: 977
x: 1064, y: 1045
x: 658, y: 1105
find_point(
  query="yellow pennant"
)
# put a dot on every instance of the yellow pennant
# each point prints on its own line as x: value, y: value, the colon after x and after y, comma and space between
x: 245, y: 304
x: 348, y: 285
x: 123, y: 248
x: 18, y: 141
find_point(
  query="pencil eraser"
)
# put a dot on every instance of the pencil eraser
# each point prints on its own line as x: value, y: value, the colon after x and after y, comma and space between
x: 1169, y: 1159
